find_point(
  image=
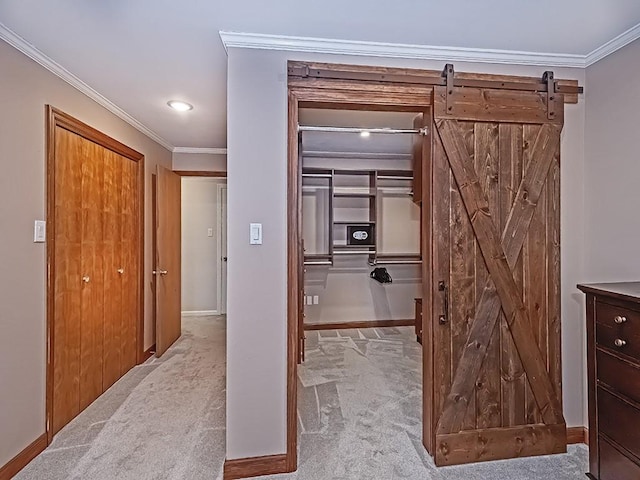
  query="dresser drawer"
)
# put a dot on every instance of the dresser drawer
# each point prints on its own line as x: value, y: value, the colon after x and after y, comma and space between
x: 618, y: 329
x: 619, y: 375
x: 608, y: 314
x: 619, y: 421
x: 614, y: 465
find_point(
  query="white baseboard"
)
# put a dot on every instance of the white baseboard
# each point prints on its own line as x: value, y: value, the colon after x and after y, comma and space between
x: 199, y: 313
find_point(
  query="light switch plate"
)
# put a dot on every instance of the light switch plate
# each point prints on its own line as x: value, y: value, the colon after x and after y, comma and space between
x: 209, y: 232
x: 39, y: 231
x: 255, y: 234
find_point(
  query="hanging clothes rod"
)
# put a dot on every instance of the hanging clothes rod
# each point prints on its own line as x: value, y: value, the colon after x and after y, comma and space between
x: 400, y: 131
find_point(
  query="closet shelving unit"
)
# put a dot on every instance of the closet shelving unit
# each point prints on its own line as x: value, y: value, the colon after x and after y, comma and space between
x: 364, y: 188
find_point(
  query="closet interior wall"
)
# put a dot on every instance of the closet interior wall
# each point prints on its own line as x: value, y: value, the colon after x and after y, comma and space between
x: 347, y: 180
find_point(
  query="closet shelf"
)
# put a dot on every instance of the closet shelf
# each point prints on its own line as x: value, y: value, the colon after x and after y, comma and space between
x: 353, y: 194
x: 354, y: 222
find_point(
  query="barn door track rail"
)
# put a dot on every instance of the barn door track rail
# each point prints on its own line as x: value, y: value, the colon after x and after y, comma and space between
x: 446, y: 79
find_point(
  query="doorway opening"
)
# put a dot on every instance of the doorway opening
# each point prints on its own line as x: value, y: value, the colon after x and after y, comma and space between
x: 204, y: 246
x: 361, y: 294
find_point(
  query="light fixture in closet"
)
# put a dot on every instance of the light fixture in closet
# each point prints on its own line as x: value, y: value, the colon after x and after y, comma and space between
x: 365, y: 134
x: 180, y: 106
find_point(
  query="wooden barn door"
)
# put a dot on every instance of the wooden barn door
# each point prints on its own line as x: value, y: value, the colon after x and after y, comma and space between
x: 496, y: 276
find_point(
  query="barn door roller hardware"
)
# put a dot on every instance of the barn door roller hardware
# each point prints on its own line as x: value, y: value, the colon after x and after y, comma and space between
x: 444, y: 79
x: 551, y: 94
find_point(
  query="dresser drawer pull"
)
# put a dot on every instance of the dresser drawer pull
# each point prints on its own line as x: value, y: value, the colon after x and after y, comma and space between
x: 619, y: 342
x: 619, y: 319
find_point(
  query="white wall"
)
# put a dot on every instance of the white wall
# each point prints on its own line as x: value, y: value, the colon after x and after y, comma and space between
x: 25, y: 88
x: 257, y: 152
x: 200, y: 255
x: 203, y: 162
x: 612, y: 168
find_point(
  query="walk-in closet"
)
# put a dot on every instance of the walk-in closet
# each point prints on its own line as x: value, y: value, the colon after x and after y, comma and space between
x: 360, y: 219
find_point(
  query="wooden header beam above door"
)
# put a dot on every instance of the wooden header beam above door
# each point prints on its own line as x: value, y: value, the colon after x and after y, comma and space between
x: 324, y: 75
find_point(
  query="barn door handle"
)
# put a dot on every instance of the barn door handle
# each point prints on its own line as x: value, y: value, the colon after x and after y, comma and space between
x: 442, y: 287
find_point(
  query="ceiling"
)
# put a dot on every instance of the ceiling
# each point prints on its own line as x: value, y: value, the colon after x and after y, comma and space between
x: 140, y: 54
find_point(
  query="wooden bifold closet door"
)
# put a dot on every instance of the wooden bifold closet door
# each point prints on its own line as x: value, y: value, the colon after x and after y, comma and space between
x: 94, y: 266
x: 496, y: 276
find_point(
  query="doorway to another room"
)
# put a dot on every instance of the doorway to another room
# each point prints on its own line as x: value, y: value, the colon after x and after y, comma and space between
x: 204, y: 246
x: 360, y: 380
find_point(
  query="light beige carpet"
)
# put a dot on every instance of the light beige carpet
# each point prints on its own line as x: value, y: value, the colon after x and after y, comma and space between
x: 163, y: 420
x: 359, y: 417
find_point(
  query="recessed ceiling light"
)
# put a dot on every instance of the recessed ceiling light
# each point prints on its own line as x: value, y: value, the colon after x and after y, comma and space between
x: 179, y: 105
x: 365, y: 134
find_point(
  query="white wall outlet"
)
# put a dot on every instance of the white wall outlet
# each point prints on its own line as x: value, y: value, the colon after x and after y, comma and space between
x: 309, y: 300
x: 255, y: 234
x: 316, y: 299
x: 39, y: 231
x: 209, y: 232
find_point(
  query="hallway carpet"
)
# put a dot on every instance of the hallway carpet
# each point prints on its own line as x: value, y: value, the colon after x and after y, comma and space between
x: 165, y: 419
x: 359, y: 417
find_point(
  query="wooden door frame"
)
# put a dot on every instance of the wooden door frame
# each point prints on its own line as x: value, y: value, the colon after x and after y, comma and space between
x: 56, y: 118
x: 355, y: 87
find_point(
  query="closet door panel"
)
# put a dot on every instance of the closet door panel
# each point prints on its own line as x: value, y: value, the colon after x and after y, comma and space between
x: 496, y: 249
x: 129, y: 248
x: 112, y: 174
x: 513, y: 378
x: 92, y: 264
x: 67, y: 281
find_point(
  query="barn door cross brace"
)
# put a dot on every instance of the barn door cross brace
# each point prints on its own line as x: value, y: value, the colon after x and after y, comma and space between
x: 505, y: 292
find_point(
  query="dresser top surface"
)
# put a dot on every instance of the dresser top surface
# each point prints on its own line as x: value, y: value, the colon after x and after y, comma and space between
x: 623, y: 290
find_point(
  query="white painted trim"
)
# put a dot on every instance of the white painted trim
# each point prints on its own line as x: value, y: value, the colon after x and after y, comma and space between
x: 33, y: 53
x: 199, y: 313
x: 397, y: 50
x: 220, y: 225
x: 211, y: 151
x: 613, y: 45
x: 424, y: 52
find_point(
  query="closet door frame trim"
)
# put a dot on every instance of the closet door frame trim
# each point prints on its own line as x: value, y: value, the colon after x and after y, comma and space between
x: 58, y: 119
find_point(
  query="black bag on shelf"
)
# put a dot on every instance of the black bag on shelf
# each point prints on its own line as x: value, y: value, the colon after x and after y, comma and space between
x: 381, y: 275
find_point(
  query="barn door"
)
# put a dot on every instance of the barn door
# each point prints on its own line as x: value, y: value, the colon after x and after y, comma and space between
x: 496, y: 276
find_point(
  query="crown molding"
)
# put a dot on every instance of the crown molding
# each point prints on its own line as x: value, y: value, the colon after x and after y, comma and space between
x: 36, y: 55
x: 613, y: 45
x: 210, y: 151
x: 397, y: 50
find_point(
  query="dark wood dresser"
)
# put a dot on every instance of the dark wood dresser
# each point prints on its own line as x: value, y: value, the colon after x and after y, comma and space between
x: 613, y: 362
